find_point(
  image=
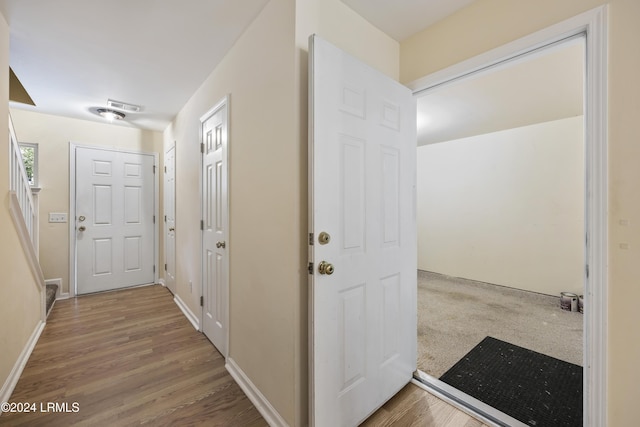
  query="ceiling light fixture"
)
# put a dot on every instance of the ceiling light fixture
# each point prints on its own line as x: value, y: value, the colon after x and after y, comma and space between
x: 109, y: 114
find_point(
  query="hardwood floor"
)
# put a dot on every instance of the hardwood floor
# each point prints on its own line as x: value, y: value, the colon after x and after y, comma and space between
x: 130, y: 357
x: 414, y: 407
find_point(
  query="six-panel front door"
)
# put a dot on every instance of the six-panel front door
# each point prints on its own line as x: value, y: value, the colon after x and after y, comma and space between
x: 215, y: 259
x: 115, y: 245
x: 363, y: 234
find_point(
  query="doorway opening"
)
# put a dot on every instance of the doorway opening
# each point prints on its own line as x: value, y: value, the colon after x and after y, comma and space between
x: 593, y: 205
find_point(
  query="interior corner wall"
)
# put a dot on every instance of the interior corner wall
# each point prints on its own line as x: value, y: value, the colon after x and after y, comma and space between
x: 506, y: 208
x: 266, y: 209
x: 53, y: 134
x: 20, y: 296
x: 487, y: 24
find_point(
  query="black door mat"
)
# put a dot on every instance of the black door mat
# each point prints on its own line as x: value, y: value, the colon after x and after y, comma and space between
x: 534, y: 388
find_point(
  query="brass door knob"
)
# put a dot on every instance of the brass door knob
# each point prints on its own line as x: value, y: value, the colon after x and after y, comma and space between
x: 82, y: 228
x: 172, y: 229
x: 221, y: 244
x: 325, y: 268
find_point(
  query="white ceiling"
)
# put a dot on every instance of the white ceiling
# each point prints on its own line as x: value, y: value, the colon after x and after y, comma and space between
x: 537, y: 88
x: 402, y: 18
x: 73, y: 55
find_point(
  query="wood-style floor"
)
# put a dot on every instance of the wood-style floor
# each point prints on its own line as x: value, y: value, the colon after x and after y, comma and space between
x: 130, y: 357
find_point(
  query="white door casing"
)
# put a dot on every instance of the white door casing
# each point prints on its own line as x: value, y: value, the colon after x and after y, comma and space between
x: 170, y: 218
x: 363, y: 317
x: 215, y: 258
x: 114, y: 202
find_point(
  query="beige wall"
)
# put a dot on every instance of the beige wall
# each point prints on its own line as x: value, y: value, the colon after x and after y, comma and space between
x: 53, y: 134
x: 265, y: 75
x: 266, y: 211
x: 487, y: 24
x: 496, y: 207
x: 19, y: 293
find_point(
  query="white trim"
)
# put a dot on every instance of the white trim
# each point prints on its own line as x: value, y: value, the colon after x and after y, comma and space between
x: 262, y: 404
x: 11, y: 381
x: 593, y: 23
x: 187, y: 312
x: 161, y: 282
x: 72, y: 209
x: 63, y: 296
x: 224, y: 102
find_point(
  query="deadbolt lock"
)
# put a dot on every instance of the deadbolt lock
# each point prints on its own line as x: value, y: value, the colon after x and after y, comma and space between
x: 325, y: 268
x: 81, y: 218
x: 324, y: 238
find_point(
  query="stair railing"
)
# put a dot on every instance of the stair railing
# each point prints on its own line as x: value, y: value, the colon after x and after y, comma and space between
x: 19, y: 185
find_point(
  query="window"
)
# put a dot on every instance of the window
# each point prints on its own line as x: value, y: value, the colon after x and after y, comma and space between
x: 30, y: 159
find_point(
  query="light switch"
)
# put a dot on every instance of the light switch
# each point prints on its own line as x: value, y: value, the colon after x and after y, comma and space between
x: 57, y: 217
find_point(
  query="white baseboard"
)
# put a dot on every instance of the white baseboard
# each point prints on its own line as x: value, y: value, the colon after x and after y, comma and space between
x: 161, y: 282
x: 65, y: 295
x: 188, y: 313
x: 18, y: 367
x: 268, y: 412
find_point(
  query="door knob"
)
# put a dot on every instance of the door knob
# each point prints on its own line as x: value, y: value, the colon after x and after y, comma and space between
x: 325, y: 268
x: 172, y: 229
x: 82, y: 228
x: 221, y: 244
x: 324, y: 238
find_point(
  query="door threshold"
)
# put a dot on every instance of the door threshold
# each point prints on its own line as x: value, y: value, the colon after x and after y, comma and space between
x: 462, y: 401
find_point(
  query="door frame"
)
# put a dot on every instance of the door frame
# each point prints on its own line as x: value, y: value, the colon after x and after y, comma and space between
x: 224, y: 102
x: 593, y: 24
x: 73, y: 285
x: 171, y: 146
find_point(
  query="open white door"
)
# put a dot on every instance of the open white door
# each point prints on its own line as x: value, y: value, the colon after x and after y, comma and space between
x: 363, y: 321
x: 215, y: 258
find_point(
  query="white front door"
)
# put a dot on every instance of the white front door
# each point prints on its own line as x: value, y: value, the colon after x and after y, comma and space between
x: 215, y: 258
x: 114, y: 219
x: 363, y: 320
x: 170, y: 219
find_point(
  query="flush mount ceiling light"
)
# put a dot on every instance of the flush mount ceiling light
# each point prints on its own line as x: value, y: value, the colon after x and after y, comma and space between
x: 109, y: 114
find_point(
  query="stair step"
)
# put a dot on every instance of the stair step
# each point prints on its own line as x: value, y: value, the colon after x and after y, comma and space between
x: 51, y: 296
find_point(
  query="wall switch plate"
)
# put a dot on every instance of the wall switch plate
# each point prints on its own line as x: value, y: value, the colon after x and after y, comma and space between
x: 57, y: 217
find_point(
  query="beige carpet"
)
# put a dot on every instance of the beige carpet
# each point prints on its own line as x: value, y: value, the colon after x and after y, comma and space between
x: 456, y: 314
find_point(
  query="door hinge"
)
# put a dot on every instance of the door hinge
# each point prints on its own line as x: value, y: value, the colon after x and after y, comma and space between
x: 165, y: 169
x: 154, y: 219
x: 165, y: 218
x: 587, y: 270
x: 310, y: 268
x: 154, y: 268
x: 310, y: 239
x: 201, y: 301
x: 154, y: 168
x: 202, y: 147
x: 165, y: 267
x: 202, y: 224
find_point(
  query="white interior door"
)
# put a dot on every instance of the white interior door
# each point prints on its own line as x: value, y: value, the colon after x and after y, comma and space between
x: 363, y: 321
x: 215, y: 259
x: 170, y: 219
x: 114, y: 219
